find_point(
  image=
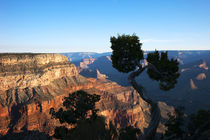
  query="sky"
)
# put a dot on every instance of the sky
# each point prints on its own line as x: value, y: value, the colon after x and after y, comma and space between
x: 87, y: 25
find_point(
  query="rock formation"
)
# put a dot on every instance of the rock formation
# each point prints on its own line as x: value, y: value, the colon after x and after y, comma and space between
x: 109, y: 58
x: 29, y: 70
x: 180, y: 61
x: 186, y: 69
x: 204, y: 66
x: 201, y: 76
x: 87, y: 61
x: 31, y: 84
x: 192, y: 84
x: 100, y: 76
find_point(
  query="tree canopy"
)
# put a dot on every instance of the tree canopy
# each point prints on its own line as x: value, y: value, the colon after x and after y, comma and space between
x: 127, y: 54
x: 79, y: 111
x: 167, y: 69
x: 77, y: 105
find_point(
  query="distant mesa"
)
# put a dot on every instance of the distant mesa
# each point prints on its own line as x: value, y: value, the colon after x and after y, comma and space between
x: 203, y: 65
x: 192, y: 85
x: 201, y: 76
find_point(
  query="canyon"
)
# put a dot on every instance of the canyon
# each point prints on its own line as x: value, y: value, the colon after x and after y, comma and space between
x: 191, y: 91
x: 32, y: 84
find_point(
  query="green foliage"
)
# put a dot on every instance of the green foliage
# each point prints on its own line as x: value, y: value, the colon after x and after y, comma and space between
x: 168, y: 69
x: 60, y: 132
x: 126, y: 56
x: 89, y: 130
x: 79, y: 111
x: 175, y: 122
x: 129, y: 133
x: 195, y: 126
x: 126, y: 52
x: 77, y: 105
x: 199, y: 120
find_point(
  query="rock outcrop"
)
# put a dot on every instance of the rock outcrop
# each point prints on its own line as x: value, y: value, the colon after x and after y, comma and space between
x: 204, y: 66
x: 87, y: 61
x: 29, y: 70
x: 31, y: 84
x: 201, y: 76
x: 180, y: 61
x: 192, y: 84
x: 186, y: 69
x: 123, y: 106
x: 100, y: 75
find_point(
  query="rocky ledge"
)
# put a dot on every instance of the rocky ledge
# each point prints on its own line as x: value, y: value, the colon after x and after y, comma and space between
x: 27, y: 70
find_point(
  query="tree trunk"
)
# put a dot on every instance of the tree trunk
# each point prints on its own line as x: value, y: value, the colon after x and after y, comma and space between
x: 150, y: 132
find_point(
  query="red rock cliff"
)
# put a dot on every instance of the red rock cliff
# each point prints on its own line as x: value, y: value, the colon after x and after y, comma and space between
x: 31, y: 84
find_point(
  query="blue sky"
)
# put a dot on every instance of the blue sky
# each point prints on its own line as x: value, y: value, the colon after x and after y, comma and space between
x: 86, y: 25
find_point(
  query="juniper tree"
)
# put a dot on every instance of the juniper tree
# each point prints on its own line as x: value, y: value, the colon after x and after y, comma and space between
x: 79, y: 111
x: 126, y: 57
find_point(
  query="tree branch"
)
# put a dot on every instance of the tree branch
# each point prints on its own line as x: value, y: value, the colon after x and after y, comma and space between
x: 137, y: 87
x: 163, y: 75
x: 155, y: 111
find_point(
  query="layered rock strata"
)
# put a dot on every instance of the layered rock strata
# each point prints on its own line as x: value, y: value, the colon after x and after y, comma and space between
x: 31, y: 84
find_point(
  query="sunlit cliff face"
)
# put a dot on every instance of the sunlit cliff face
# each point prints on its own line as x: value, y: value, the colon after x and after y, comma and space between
x: 32, y: 70
x: 31, y: 84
